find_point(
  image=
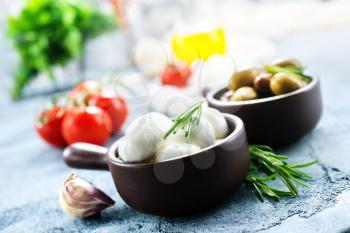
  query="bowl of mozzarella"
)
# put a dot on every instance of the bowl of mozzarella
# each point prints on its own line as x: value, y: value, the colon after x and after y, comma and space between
x: 176, y: 177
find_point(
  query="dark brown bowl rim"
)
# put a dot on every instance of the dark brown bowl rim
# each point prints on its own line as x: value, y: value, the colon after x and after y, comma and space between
x: 112, y: 159
x: 211, y: 99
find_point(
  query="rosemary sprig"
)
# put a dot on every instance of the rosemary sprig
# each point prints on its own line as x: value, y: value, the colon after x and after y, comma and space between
x: 186, y: 120
x: 264, y: 160
x: 295, y: 71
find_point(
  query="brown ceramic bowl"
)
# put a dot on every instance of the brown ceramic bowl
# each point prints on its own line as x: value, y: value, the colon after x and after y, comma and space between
x: 175, y: 187
x: 275, y: 121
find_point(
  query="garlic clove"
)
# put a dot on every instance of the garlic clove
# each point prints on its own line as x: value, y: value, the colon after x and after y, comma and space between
x: 81, y: 199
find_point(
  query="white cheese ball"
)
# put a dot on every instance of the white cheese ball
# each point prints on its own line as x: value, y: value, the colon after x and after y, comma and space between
x: 173, y: 150
x: 150, y: 56
x: 216, y: 70
x: 203, y: 134
x: 130, y: 152
x: 143, y: 137
x: 217, y: 120
x: 177, y: 138
x: 153, y: 123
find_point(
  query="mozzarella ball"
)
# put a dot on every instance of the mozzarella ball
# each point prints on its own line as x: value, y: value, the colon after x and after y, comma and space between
x: 203, y: 134
x: 216, y: 70
x: 150, y: 56
x: 170, y: 100
x: 130, y: 152
x: 143, y: 137
x: 217, y: 120
x: 153, y: 123
x: 174, y: 150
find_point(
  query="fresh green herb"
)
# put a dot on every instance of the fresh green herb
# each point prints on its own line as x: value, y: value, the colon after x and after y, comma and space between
x: 50, y: 33
x: 295, y: 71
x: 264, y: 160
x: 186, y: 120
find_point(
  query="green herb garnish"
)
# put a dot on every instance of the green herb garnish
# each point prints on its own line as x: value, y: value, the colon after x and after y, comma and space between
x: 295, y: 71
x: 186, y: 120
x: 264, y: 160
x: 49, y: 33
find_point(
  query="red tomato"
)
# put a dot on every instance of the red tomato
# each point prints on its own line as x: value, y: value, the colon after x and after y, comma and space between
x: 49, y: 125
x: 114, y: 105
x: 86, y: 124
x: 83, y: 89
x: 176, y: 75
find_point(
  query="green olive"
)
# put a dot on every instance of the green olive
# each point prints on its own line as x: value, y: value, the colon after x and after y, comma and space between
x: 244, y: 93
x: 290, y: 62
x: 282, y: 83
x: 262, y: 84
x: 244, y: 78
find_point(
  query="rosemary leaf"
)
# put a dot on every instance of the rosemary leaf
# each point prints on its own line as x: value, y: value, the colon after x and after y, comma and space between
x: 302, y: 165
x: 272, y: 177
x: 295, y: 71
x: 186, y: 121
x: 259, y: 194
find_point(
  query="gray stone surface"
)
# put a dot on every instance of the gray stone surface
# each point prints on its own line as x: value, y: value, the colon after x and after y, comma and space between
x: 31, y: 172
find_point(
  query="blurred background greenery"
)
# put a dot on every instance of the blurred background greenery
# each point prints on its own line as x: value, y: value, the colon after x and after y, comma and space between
x: 49, y: 45
x: 49, y: 33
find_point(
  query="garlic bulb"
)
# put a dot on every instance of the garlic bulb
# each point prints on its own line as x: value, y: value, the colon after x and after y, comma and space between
x: 175, y: 150
x: 81, y: 199
x: 143, y: 137
x: 217, y: 120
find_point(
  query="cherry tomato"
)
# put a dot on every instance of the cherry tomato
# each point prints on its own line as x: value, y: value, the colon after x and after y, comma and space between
x: 86, y: 124
x: 176, y: 75
x: 114, y: 105
x: 84, y: 89
x: 49, y: 124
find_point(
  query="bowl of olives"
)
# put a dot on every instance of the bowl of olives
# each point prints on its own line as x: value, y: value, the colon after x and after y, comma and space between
x: 278, y: 103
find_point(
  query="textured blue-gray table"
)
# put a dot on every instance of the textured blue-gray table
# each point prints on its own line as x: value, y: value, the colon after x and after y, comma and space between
x: 31, y: 172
